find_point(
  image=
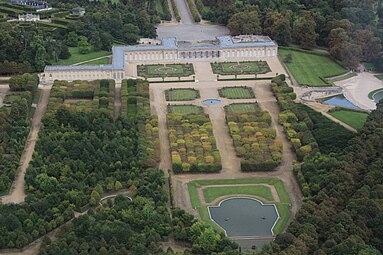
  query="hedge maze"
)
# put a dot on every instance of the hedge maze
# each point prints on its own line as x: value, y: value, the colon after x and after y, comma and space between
x: 236, y: 92
x: 254, y: 139
x: 181, y: 94
x: 192, y: 144
x: 165, y: 70
x: 238, y: 68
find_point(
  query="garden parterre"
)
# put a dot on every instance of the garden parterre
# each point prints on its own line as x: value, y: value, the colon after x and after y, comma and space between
x: 237, y: 68
x: 165, y: 70
x: 181, y: 94
x: 254, y: 140
x: 192, y: 144
x: 236, y: 92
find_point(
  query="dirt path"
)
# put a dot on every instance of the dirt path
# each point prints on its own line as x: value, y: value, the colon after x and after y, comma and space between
x: 17, y: 194
x: 117, y: 100
x: 230, y: 163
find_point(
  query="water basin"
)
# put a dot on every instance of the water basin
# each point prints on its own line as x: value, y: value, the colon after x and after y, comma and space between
x: 212, y: 101
x: 378, y: 96
x: 245, y: 217
x: 340, y: 101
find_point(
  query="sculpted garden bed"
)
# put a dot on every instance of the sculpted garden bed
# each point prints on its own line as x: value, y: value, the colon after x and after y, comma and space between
x: 192, y: 144
x: 253, y: 137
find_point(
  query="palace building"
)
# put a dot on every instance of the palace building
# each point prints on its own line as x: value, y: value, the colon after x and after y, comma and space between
x: 244, y: 47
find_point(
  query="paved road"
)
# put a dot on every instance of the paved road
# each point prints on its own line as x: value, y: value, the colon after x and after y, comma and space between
x: 183, y: 10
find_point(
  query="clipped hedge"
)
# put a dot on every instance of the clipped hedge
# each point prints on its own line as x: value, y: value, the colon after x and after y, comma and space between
x: 194, y: 11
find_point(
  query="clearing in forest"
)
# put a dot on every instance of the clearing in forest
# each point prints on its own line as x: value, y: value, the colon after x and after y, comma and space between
x: 354, y: 119
x: 204, y: 193
x: 310, y: 68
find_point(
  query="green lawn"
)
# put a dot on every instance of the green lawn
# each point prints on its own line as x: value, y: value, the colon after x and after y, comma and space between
x: 181, y: 94
x: 242, y: 108
x: 76, y: 57
x: 101, y: 61
x: 212, y: 193
x: 237, y: 92
x: 307, y: 68
x: 283, y: 205
x: 379, y: 76
x: 352, y: 118
x: 169, y: 70
x: 184, y: 109
x: 248, y: 67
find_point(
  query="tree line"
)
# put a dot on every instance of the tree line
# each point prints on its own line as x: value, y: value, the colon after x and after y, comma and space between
x: 341, y: 184
x: 350, y: 29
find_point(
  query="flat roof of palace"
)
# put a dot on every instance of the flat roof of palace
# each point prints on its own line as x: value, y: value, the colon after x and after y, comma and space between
x: 68, y: 68
x: 222, y: 42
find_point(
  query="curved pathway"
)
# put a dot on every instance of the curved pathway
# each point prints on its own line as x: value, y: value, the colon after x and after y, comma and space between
x: 17, y: 194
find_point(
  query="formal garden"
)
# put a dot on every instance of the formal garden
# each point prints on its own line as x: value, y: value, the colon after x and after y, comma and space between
x: 165, y: 70
x: 254, y: 139
x: 242, y: 92
x: 238, y: 68
x: 185, y: 109
x: 214, y: 191
x: 192, y: 144
x: 135, y: 106
x: 181, y: 94
x: 82, y: 95
x: 310, y: 68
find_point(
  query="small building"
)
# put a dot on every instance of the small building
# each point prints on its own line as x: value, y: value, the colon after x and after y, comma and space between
x: 78, y: 11
x: 29, y: 17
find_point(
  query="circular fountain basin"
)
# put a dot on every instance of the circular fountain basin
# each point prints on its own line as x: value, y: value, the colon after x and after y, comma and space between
x: 211, y: 101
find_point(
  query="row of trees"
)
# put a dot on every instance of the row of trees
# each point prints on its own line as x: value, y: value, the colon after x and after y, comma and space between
x: 254, y: 140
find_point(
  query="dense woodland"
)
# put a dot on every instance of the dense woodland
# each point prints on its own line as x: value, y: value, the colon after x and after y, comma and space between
x: 342, y: 184
x: 352, y: 30
x: 25, y: 49
x: 14, y: 126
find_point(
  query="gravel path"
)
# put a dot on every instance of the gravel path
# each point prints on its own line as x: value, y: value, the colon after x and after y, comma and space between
x: 117, y: 100
x: 17, y: 194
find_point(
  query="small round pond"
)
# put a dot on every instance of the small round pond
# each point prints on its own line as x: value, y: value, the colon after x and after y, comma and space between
x: 245, y: 217
x: 378, y: 96
x: 341, y: 101
x: 211, y: 101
